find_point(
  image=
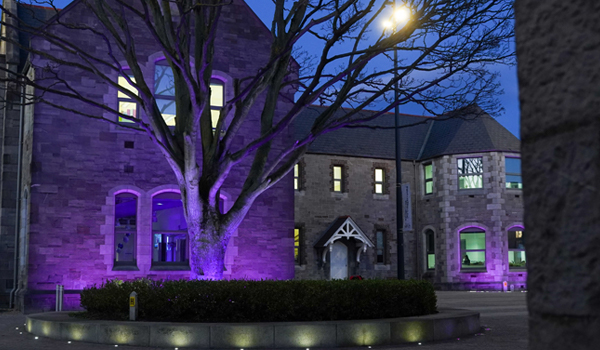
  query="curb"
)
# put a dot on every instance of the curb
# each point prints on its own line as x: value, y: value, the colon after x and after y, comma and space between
x: 447, y: 324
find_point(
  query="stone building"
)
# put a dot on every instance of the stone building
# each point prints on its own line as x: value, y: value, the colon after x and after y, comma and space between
x: 84, y: 201
x: 466, y: 214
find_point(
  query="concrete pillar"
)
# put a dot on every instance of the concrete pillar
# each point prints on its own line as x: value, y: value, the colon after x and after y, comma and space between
x: 558, y: 50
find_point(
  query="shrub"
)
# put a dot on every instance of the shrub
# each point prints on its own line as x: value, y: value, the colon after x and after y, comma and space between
x: 260, y: 301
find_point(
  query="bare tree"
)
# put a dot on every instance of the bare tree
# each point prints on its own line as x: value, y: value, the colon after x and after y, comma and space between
x: 446, y: 49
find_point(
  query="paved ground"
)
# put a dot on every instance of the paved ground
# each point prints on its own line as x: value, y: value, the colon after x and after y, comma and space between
x: 503, y: 315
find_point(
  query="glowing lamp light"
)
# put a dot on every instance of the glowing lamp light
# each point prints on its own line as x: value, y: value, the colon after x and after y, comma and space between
x: 17, y: 328
x: 36, y: 338
x: 20, y: 332
x: 69, y: 342
x: 401, y: 14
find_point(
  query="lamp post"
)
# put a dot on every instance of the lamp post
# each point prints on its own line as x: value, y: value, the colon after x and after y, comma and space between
x: 401, y: 15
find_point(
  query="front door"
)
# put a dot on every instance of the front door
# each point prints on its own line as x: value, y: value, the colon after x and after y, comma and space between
x: 339, y: 261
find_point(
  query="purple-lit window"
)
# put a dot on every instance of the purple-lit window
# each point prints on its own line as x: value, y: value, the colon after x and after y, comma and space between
x: 516, y: 248
x: 472, y: 249
x: 169, y: 231
x: 125, y: 229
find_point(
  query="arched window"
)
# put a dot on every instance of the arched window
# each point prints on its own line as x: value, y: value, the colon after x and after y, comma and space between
x: 125, y: 229
x: 516, y: 248
x: 169, y: 231
x: 472, y: 248
x: 164, y: 91
x: 430, y: 249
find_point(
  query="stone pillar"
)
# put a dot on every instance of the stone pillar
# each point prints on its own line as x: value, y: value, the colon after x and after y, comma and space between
x: 558, y: 50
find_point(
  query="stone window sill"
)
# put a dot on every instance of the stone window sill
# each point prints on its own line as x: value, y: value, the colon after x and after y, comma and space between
x: 381, y: 267
x: 379, y: 196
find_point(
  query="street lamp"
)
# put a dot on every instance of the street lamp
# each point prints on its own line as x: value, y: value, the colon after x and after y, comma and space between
x: 400, y: 15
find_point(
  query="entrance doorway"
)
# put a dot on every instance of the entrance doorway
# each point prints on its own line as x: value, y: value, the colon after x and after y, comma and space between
x: 339, y: 261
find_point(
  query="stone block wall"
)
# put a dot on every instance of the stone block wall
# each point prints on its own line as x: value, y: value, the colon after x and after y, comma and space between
x: 493, y: 208
x: 79, y: 163
x: 317, y: 207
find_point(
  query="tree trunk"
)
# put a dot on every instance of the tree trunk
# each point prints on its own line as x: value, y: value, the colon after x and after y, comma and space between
x: 208, y: 243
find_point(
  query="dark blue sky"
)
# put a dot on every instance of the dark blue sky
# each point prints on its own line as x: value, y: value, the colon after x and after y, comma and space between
x: 508, y: 75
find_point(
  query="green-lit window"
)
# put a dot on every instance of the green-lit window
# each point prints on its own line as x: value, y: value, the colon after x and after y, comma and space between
x: 428, y: 173
x: 337, y: 178
x: 513, y: 173
x: 127, y: 105
x: 164, y: 92
x: 430, y: 249
x: 379, y: 180
x: 516, y: 248
x: 472, y: 249
x: 380, y: 247
x: 297, y: 255
x: 470, y: 173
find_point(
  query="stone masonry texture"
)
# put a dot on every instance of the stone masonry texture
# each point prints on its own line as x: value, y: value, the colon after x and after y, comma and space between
x: 558, y: 50
x: 78, y: 164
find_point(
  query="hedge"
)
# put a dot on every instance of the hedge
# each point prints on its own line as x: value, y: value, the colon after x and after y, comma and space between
x: 260, y: 301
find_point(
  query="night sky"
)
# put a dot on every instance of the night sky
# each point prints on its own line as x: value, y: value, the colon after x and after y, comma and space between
x: 510, y: 101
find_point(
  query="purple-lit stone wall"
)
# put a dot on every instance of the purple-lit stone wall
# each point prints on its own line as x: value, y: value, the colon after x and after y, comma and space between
x: 79, y: 164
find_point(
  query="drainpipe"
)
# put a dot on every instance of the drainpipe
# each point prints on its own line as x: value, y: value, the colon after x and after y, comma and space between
x: 15, y: 289
x: 418, y: 272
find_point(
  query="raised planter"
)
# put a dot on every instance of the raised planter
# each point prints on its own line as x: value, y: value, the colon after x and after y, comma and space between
x: 447, y: 324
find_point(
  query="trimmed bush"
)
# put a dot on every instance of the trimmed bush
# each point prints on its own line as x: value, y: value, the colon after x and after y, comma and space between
x: 260, y: 301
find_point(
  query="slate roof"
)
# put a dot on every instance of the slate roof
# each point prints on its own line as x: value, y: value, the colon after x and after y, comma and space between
x: 470, y: 131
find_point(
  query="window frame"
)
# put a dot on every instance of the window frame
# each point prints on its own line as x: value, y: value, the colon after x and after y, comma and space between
x: 298, y: 251
x: 117, y: 231
x: 339, y: 180
x: 507, y: 174
x: 168, y: 265
x: 464, y: 251
x: 427, y: 180
x: 297, y: 177
x: 169, y: 97
x: 429, y: 248
x: 469, y: 174
x: 380, y: 183
x: 123, y: 98
x: 383, y: 247
x: 522, y: 230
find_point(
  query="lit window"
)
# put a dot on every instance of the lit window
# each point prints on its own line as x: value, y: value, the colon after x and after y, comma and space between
x: 380, y: 246
x: 297, y: 246
x: 516, y: 248
x: 169, y: 231
x: 430, y: 249
x: 472, y: 249
x: 125, y: 229
x: 297, y: 177
x: 513, y: 173
x: 127, y: 105
x: 470, y: 173
x: 337, y: 178
x: 428, y: 173
x: 379, y: 177
x: 164, y: 91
